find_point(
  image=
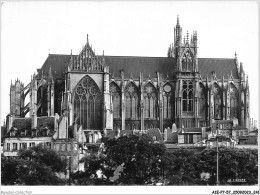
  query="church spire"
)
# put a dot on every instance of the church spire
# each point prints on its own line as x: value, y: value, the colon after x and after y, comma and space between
x: 103, y: 58
x: 187, y: 37
x: 177, y: 33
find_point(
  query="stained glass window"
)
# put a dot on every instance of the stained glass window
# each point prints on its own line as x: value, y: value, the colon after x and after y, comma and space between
x: 150, y: 101
x: 131, y: 101
x: 87, y: 104
x: 233, y: 101
x: 187, y: 62
x: 217, y: 101
x: 116, y: 99
x: 202, y: 101
x: 187, y: 95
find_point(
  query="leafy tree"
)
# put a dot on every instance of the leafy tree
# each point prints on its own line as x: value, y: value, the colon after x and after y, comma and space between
x: 181, y: 167
x: 140, y: 156
x: 234, y: 164
x: 9, y: 173
x: 94, y: 164
x: 184, y: 167
x: 137, y: 160
x: 35, y: 166
x: 137, y: 156
x: 43, y: 155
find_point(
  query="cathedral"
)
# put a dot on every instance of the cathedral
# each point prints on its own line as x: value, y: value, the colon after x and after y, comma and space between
x: 100, y: 92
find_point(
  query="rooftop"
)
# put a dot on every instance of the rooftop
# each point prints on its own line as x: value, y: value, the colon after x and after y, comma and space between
x: 22, y: 127
x: 134, y: 65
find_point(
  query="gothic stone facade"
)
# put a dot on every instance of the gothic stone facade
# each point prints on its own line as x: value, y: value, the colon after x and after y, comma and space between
x: 127, y: 92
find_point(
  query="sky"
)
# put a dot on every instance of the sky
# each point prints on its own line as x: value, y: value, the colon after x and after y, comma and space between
x: 32, y: 30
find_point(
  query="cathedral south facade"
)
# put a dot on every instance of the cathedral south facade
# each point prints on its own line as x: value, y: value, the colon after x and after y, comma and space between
x: 99, y: 92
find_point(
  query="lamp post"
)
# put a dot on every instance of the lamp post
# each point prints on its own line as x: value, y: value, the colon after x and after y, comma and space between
x: 70, y: 170
x: 217, y: 155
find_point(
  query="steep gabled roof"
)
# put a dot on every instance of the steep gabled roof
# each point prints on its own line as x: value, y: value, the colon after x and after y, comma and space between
x: 221, y: 66
x: 45, y: 121
x: 22, y: 124
x: 134, y: 65
x: 58, y: 64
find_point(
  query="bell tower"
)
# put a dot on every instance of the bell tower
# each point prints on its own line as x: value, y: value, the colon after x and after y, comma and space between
x: 184, y: 51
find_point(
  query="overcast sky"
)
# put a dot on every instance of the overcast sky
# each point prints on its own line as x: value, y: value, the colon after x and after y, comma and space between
x: 30, y: 30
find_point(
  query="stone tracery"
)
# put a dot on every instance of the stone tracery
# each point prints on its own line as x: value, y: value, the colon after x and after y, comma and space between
x: 87, y: 104
x: 132, y: 101
x: 150, y: 101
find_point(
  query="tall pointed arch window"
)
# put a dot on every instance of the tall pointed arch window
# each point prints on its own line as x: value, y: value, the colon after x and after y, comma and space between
x: 167, y: 102
x: 150, y: 101
x: 131, y: 101
x: 217, y: 92
x: 187, y: 96
x: 87, y: 104
x: 233, y: 102
x: 202, y: 101
x: 187, y: 61
x: 116, y: 99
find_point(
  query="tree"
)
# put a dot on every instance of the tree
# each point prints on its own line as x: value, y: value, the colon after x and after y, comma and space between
x: 234, y: 165
x: 94, y: 163
x: 43, y: 155
x: 9, y: 173
x: 136, y: 156
x: 137, y: 160
x: 35, y: 166
x: 185, y: 167
x: 140, y: 156
x: 181, y: 167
